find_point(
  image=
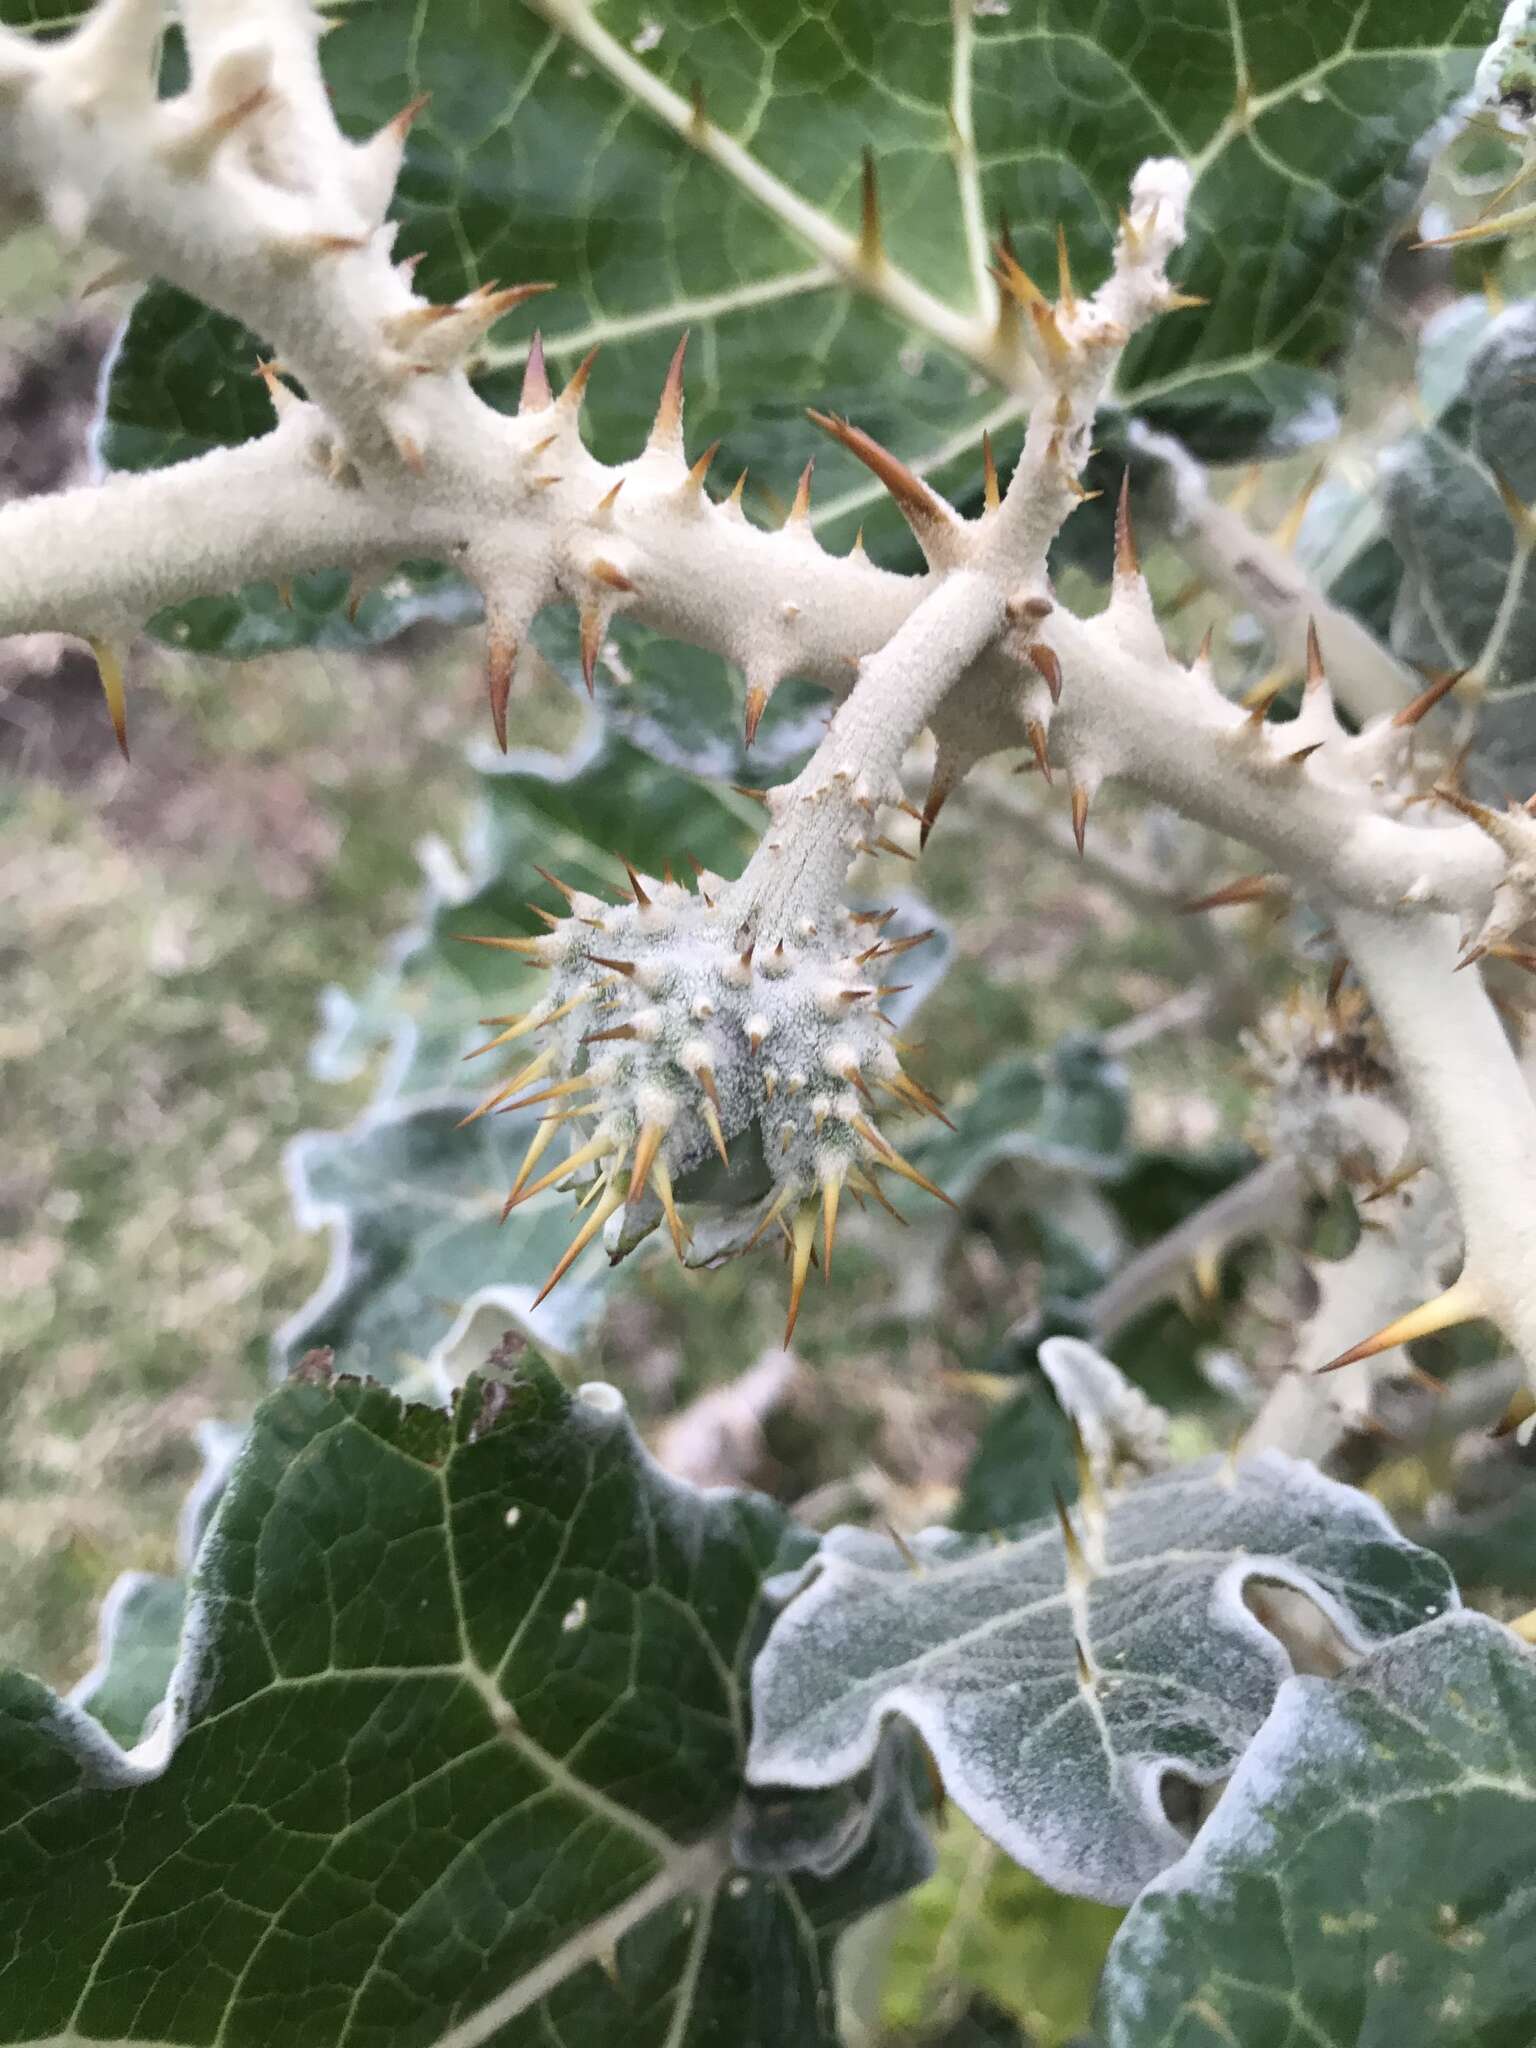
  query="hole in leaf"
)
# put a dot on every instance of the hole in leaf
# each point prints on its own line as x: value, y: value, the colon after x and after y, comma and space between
x: 1304, y: 1632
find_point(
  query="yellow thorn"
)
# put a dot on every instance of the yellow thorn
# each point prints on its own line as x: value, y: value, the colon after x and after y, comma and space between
x: 1288, y: 532
x: 871, y: 241
x: 613, y: 1199
x: 1066, y: 297
x: 712, y: 1125
x: 531, y: 1020
x: 1016, y: 280
x: 800, y: 510
x: 584, y: 1155
x: 1317, y: 675
x: 538, y: 1145
x: 110, y: 670
x: 647, y: 1145
x: 891, y: 1158
x: 871, y: 1186
x: 770, y: 1216
x: 578, y: 1084
x: 700, y: 470
x: 592, y: 622
x: 992, y: 492
x: 1057, y: 348
x: 532, y: 1072
x: 831, y: 1189
x: 604, y: 572
x: 1460, y: 1303
x: 803, y: 1239
x: 1522, y: 1406
x: 661, y: 1181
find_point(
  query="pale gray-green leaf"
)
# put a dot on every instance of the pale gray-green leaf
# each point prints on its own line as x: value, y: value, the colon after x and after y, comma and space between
x: 976, y: 1642
x: 1368, y: 1879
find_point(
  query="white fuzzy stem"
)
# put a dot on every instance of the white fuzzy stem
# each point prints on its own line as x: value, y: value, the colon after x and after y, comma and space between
x: 244, y: 193
x: 1468, y: 1097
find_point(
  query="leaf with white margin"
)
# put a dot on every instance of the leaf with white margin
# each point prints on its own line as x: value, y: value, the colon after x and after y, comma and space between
x: 978, y: 1643
x: 452, y: 1755
x: 1122, y: 1433
x: 1368, y: 1878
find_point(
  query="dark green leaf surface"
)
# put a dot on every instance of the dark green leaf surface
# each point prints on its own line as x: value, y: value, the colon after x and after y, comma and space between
x: 1368, y: 1879
x: 534, y: 159
x: 1463, y: 577
x: 458, y: 1728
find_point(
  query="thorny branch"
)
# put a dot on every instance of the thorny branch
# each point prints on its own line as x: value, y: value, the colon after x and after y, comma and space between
x: 242, y: 191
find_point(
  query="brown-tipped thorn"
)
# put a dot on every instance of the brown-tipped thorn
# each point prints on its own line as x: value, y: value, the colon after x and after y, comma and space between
x: 613, y: 1199
x: 667, y: 431
x: 800, y: 510
x: 1522, y: 1406
x: 110, y: 669
x: 614, y: 1031
x: 536, y: 394
x: 992, y: 495
x: 1316, y: 674
x: 1057, y: 349
x: 540, y: 1143
x: 585, y: 1155
x: 1065, y: 295
x: 893, y: 1161
x: 1246, y: 889
x: 1127, y: 560
x: 1079, y: 815
x: 530, y: 949
x: 575, y: 390
x: 717, y: 1136
x: 647, y: 1145
x: 871, y: 240
x: 831, y: 1189
x: 1426, y: 700
x: 618, y: 966
x: 1077, y: 1563
x: 1335, y: 989
x: 1460, y: 1303
x: 605, y: 572
x: 637, y: 885
x: 1036, y: 734
x: 758, y: 796
x: 661, y: 1180
x: 591, y: 642
x: 924, y: 510
x: 500, y: 663
x: 1046, y: 661
x: 803, y: 1240
x: 700, y: 469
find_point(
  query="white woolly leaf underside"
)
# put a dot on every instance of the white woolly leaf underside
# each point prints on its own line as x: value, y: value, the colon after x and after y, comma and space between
x: 975, y: 1642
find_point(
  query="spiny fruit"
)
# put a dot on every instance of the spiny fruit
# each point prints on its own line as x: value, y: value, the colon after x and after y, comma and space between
x: 692, y: 1064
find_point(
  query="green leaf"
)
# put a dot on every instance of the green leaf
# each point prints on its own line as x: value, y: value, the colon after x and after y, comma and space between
x: 1066, y: 1114
x: 1463, y: 575
x: 976, y: 1642
x: 1366, y: 1879
x: 452, y: 1755
x: 536, y: 159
